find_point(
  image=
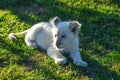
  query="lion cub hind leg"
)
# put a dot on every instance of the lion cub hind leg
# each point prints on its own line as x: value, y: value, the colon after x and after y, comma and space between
x: 30, y: 43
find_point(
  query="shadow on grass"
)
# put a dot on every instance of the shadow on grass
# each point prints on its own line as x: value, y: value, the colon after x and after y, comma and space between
x: 96, y: 70
x: 97, y: 27
x: 25, y: 60
x: 108, y: 1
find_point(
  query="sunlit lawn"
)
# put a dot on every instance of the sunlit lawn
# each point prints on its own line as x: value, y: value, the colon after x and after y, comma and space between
x: 99, y: 39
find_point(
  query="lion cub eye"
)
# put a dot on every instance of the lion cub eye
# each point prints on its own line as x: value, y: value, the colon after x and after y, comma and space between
x: 55, y: 35
x: 63, y: 36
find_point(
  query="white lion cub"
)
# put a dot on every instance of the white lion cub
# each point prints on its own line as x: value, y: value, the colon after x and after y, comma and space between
x: 56, y: 37
x: 69, y: 41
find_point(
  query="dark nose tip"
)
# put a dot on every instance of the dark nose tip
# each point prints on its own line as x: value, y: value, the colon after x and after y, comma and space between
x: 58, y: 43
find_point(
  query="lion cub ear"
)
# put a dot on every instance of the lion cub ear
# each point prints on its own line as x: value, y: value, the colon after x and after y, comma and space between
x: 74, y: 26
x: 55, y: 21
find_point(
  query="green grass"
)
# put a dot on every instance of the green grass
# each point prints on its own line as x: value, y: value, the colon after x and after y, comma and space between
x: 99, y: 36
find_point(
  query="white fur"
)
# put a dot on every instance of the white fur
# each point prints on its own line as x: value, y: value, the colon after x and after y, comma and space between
x: 70, y: 43
x: 41, y: 35
x: 56, y: 37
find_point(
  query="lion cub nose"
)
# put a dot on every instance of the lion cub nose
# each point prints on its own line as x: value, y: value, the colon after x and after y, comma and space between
x: 58, y: 43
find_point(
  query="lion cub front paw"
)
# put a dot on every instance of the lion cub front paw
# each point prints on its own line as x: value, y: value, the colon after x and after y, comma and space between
x: 60, y: 61
x: 80, y: 63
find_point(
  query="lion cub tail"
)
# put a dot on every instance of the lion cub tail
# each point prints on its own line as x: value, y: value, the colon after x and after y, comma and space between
x: 12, y: 36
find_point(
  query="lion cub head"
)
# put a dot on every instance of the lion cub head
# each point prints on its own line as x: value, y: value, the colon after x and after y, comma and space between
x: 68, y: 31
